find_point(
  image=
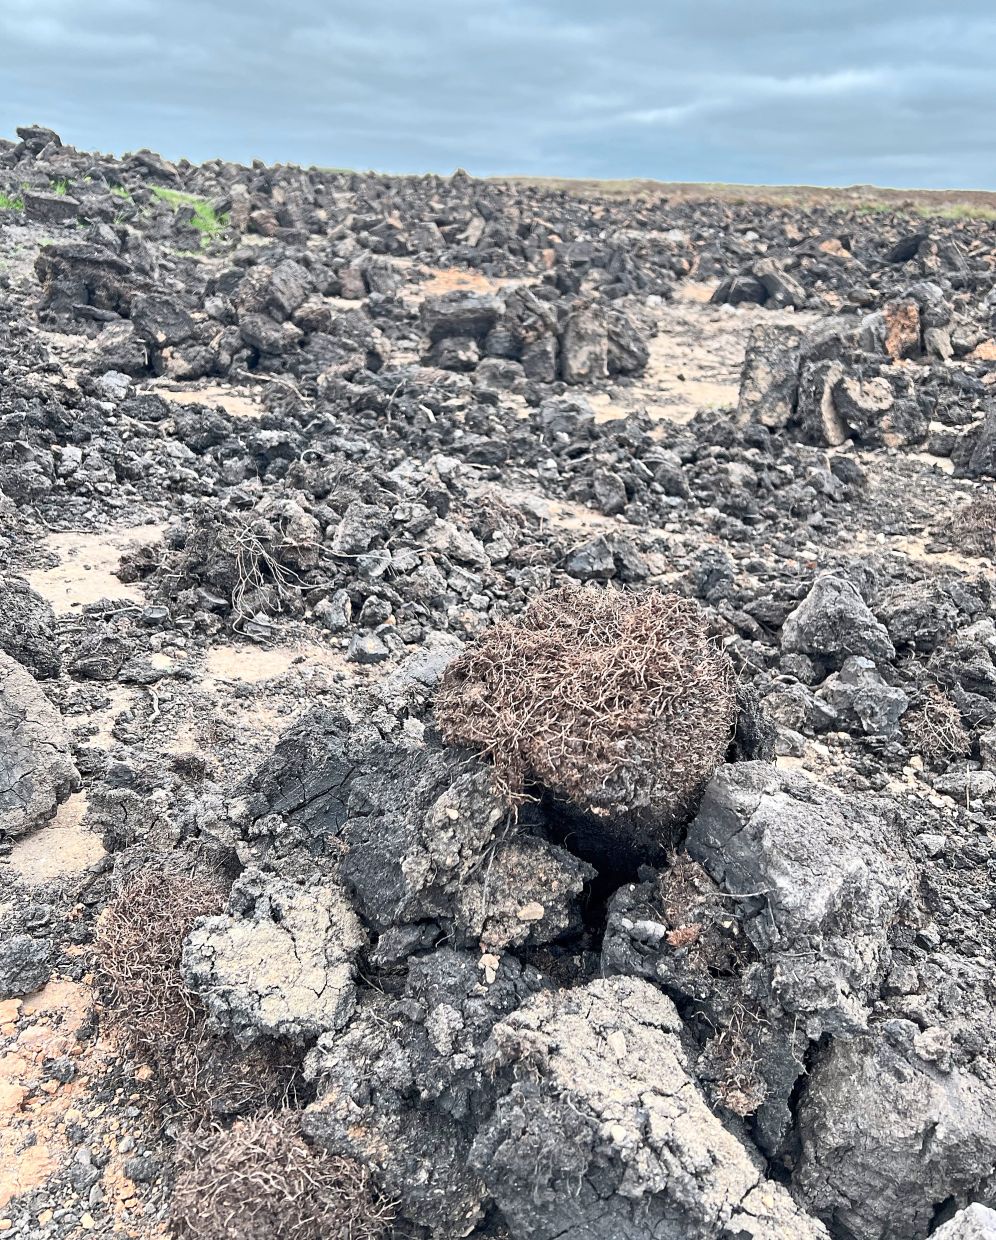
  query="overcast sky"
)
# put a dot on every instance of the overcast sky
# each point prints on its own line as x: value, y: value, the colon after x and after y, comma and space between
x: 832, y: 92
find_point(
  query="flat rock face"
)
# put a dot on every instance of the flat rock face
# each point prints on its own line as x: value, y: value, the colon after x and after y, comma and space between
x: 932, y: 1127
x: 280, y: 965
x: 819, y: 880
x: 36, y: 770
x: 599, y: 1129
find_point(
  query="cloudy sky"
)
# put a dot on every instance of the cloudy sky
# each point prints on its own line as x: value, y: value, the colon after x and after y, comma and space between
x: 832, y: 92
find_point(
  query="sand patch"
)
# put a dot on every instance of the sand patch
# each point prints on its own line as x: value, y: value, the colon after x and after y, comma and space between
x: 695, y: 290
x: 694, y: 362
x: 237, y: 404
x: 63, y: 846
x: 254, y: 664
x: 33, y: 1109
x: 86, y: 567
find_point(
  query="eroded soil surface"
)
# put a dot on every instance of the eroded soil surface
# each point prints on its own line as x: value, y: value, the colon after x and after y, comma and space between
x: 261, y: 479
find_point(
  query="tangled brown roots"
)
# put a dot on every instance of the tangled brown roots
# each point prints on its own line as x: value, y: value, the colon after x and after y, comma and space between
x: 138, y: 945
x: 262, y: 1181
x: 618, y: 703
x: 975, y: 524
x: 933, y: 728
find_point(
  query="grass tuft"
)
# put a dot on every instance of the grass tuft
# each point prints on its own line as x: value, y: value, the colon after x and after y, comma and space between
x: 60, y: 187
x: 261, y: 1179
x: 9, y: 203
x: 208, y: 222
x: 138, y: 948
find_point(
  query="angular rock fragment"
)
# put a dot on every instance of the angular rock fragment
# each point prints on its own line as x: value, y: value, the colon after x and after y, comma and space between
x: 584, y: 348
x: 279, y: 964
x: 599, y: 1129
x: 833, y: 621
x: 769, y: 380
x: 76, y: 274
x: 36, y: 768
x: 400, y: 1088
x: 25, y: 965
x: 889, y: 1137
x: 859, y: 695
x: 817, y: 879
x: 427, y: 837
x: 782, y: 288
x: 975, y: 1222
x: 467, y: 315
x: 27, y: 628
x: 159, y: 320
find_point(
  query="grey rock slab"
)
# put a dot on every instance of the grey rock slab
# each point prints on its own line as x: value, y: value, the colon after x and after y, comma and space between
x: 280, y: 963
x: 818, y: 880
x: 36, y: 768
x: 600, y: 1130
x: 887, y: 1137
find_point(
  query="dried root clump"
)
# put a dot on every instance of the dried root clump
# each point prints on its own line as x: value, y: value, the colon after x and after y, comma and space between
x: 253, y: 563
x: 262, y: 1181
x: 932, y: 727
x: 975, y: 524
x: 138, y: 946
x: 618, y: 703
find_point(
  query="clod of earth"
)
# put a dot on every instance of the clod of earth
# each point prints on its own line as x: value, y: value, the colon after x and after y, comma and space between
x: 618, y: 704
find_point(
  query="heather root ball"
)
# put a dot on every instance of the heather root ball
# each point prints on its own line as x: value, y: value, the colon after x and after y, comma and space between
x: 262, y: 1181
x: 619, y: 704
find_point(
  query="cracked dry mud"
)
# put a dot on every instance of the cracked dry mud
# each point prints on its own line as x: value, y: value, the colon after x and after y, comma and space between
x: 260, y: 487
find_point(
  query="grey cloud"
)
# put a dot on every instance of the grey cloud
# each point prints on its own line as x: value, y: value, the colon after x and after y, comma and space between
x: 718, y: 90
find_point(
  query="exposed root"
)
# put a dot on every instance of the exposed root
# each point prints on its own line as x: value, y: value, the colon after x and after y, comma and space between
x: 933, y: 728
x: 262, y: 1181
x: 975, y: 524
x: 616, y: 702
x: 138, y: 946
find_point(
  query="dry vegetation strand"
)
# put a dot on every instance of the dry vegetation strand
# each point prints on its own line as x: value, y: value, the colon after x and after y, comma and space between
x: 975, y: 524
x: 932, y: 727
x: 262, y: 1181
x: 138, y: 947
x: 139, y: 942
x: 619, y: 703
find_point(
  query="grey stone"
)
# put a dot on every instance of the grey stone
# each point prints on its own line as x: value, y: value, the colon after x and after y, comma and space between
x: 36, y: 769
x: 367, y: 648
x: 860, y: 696
x: 599, y: 1129
x: 769, y: 379
x: 975, y: 1222
x: 886, y: 1136
x: 818, y: 880
x: 833, y: 621
x: 584, y: 348
x: 25, y: 965
x: 280, y: 963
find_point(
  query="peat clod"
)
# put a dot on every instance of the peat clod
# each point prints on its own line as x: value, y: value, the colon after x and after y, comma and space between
x: 618, y: 704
